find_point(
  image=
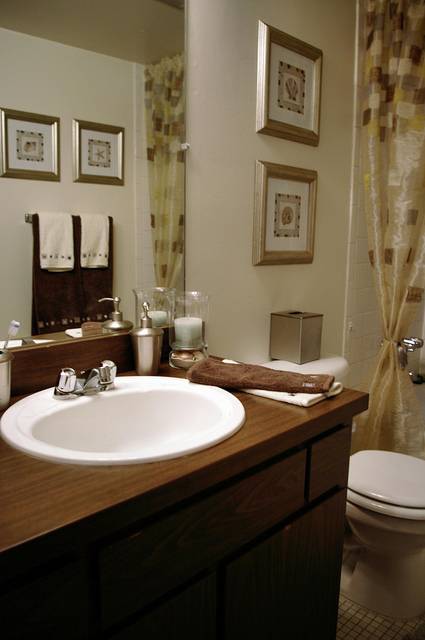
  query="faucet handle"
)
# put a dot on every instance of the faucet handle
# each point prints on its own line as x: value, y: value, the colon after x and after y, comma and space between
x: 412, y: 343
x: 67, y: 381
x: 107, y: 372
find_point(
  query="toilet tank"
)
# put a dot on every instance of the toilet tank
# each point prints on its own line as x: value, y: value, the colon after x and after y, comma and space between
x: 336, y: 366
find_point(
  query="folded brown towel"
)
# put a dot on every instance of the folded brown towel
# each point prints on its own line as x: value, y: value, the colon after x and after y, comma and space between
x: 252, y: 376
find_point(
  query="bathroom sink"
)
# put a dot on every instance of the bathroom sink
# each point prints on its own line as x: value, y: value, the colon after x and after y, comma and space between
x: 142, y: 419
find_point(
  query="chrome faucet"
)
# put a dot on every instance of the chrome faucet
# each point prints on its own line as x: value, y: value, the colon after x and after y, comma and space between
x: 99, y: 379
x: 404, y: 347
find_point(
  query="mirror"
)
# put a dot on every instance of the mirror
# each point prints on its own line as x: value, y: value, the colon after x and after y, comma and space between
x: 86, y: 61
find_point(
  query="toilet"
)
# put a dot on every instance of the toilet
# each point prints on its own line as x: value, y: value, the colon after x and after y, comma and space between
x: 335, y: 366
x: 384, y: 552
x: 384, y: 556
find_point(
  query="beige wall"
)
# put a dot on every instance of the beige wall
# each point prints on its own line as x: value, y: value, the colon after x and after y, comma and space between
x: 222, y: 39
x: 45, y: 77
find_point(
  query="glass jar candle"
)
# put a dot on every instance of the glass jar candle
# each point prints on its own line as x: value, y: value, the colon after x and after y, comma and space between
x: 161, y: 301
x: 187, y: 336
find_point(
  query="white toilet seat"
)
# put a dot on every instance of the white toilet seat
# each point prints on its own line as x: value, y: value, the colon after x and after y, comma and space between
x: 389, y: 483
x: 396, y: 511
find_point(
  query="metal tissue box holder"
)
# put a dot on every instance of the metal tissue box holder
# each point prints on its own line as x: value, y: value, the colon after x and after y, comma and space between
x: 295, y: 336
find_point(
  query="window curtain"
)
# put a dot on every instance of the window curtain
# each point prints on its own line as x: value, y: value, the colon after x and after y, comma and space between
x: 393, y: 158
x: 164, y: 111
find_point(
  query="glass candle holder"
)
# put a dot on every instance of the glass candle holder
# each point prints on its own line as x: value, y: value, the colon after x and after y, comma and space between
x: 187, y: 336
x: 161, y: 302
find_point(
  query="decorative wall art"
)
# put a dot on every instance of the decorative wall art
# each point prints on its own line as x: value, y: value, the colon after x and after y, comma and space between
x: 98, y: 153
x: 288, y: 86
x: 29, y: 145
x: 285, y: 203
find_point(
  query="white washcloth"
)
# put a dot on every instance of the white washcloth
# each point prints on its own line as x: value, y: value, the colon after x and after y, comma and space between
x: 12, y: 344
x: 94, y: 241
x: 300, y: 399
x: 56, y: 241
x: 74, y: 333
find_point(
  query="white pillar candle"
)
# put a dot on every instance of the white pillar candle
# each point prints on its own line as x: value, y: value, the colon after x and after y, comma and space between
x: 159, y: 318
x: 188, y: 331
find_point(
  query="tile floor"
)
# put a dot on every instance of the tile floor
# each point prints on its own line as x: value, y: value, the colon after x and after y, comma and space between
x: 358, y: 623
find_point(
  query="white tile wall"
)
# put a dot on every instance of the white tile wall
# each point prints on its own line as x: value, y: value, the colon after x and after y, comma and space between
x: 144, y: 254
x: 362, y: 325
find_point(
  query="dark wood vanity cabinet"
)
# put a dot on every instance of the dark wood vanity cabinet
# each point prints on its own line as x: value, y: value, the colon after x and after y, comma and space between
x: 243, y: 543
x: 287, y: 585
x: 52, y: 602
x: 271, y: 555
x: 190, y: 615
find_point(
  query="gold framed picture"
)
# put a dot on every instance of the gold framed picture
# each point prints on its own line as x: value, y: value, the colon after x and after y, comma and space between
x: 29, y: 145
x: 288, y: 86
x: 98, y: 153
x: 284, y: 215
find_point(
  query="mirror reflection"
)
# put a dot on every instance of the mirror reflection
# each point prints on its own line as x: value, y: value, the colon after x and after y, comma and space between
x: 109, y: 68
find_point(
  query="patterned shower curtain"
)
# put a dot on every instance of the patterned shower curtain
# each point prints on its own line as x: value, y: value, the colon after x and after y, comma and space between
x: 393, y: 157
x: 164, y: 111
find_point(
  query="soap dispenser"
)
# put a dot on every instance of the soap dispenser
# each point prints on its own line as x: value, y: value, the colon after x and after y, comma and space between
x: 116, y: 322
x: 147, y: 343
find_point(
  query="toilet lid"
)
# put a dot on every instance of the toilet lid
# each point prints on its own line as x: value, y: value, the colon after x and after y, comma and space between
x: 389, y: 477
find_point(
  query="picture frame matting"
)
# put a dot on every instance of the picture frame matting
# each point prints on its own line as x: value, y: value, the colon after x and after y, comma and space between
x: 29, y: 145
x: 98, y: 153
x: 284, y: 214
x: 288, y: 86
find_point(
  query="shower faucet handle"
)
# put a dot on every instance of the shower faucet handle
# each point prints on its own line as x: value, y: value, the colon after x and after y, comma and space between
x: 411, y: 344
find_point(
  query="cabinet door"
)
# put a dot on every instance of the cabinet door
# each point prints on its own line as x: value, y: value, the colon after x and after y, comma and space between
x: 53, y: 605
x: 189, y: 615
x: 287, y: 586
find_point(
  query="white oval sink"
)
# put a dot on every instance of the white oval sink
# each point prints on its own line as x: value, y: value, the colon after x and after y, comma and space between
x: 140, y: 420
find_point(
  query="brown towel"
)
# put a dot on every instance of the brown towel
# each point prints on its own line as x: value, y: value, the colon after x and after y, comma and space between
x: 57, y: 298
x: 97, y: 283
x: 252, y: 376
x: 64, y: 300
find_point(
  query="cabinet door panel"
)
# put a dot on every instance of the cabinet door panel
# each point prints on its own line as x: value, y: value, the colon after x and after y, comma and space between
x: 137, y: 570
x: 54, y: 605
x: 287, y: 586
x: 329, y: 462
x: 189, y: 615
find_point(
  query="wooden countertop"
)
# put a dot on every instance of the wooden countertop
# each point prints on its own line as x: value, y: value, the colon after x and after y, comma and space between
x: 42, y: 500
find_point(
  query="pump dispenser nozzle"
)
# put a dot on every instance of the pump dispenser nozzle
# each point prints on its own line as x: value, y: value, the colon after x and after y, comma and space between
x: 116, y: 322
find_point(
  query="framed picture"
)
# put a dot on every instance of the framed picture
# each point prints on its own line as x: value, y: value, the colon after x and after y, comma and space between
x: 288, y: 86
x: 285, y: 204
x: 29, y: 146
x: 98, y: 153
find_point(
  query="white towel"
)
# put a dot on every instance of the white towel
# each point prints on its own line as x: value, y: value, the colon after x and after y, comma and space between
x: 12, y: 344
x: 56, y: 241
x: 300, y: 399
x: 74, y: 333
x: 94, y: 241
